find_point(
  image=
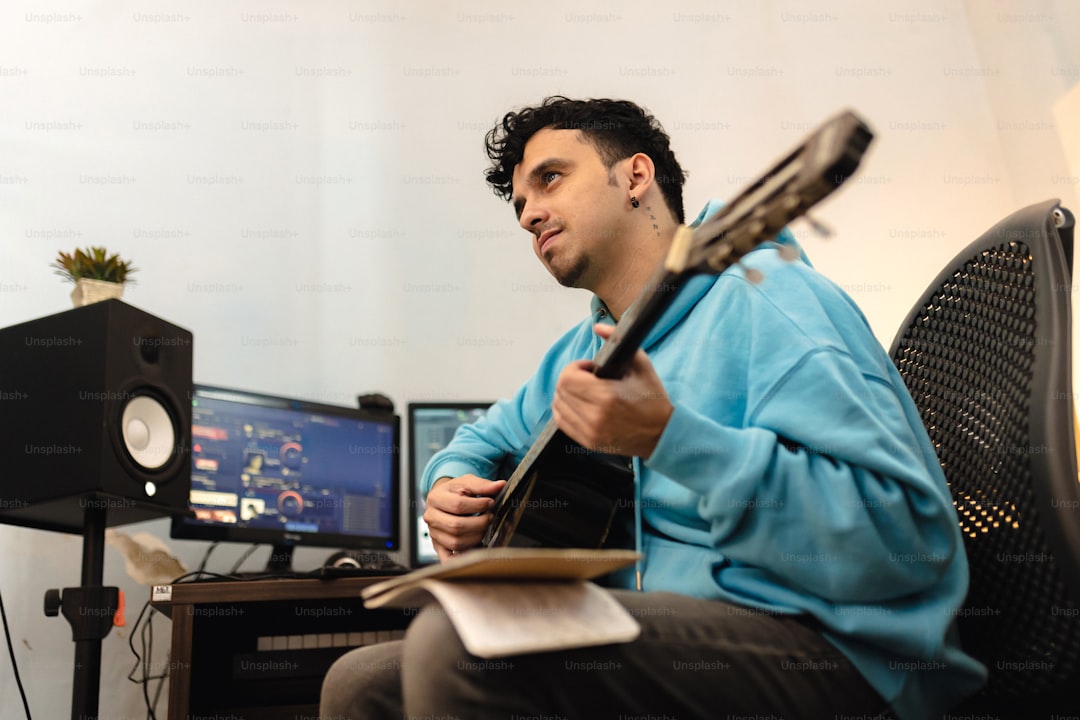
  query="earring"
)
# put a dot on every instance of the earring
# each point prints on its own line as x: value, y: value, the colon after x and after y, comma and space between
x: 634, y: 202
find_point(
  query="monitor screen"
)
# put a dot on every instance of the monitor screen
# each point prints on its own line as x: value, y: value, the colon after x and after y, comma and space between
x: 431, y: 427
x: 267, y: 469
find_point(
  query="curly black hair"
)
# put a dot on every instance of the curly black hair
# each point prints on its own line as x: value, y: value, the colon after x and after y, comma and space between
x: 616, y: 128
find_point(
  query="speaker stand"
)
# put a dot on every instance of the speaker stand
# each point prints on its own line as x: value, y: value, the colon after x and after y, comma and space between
x: 89, y: 610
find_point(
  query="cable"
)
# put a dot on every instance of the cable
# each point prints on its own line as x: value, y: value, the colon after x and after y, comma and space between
x: 147, y: 636
x: 245, y: 556
x: 11, y: 652
x: 206, y: 556
x: 143, y: 662
x: 164, y: 677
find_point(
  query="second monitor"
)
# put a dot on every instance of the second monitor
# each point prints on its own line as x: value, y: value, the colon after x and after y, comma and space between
x: 431, y: 427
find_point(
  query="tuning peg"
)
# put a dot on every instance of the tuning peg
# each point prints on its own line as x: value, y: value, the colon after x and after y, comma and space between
x: 818, y: 227
x: 789, y: 253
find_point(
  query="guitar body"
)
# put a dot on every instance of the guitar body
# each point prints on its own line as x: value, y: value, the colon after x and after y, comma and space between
x: 568, y: 497
x: 562, y: 495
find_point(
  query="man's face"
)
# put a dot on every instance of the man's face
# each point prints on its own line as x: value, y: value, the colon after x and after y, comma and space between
x: 567, y: 199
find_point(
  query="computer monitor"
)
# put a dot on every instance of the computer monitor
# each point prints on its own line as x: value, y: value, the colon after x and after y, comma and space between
x: 287, y: 472
x: 431, y: 426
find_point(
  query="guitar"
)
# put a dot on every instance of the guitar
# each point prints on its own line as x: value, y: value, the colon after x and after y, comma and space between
x: 563, y: 495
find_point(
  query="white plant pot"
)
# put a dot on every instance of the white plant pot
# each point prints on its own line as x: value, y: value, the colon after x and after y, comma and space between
x: 91, y: 291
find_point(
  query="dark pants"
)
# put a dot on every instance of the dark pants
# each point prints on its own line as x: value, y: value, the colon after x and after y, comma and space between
x: 694, y: 659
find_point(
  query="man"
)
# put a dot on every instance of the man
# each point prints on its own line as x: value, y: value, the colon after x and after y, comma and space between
x: 802, y: 556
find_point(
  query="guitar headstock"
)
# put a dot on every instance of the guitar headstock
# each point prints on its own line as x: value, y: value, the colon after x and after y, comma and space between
x: 815, y: 168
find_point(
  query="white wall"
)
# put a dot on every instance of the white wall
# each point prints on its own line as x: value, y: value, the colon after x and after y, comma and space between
x: 301, y: 185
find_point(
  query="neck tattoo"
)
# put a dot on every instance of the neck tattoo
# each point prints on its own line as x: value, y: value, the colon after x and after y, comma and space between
x: 652, y: 217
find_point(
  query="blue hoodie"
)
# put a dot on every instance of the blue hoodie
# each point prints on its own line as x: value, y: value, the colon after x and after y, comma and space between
x: 794, y: 475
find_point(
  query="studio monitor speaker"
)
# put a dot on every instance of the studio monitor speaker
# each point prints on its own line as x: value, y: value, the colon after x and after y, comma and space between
x: 95, y: 412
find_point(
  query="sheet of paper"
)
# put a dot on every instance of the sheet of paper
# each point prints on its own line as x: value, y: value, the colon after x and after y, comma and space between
x: 497, y: 619
x: 507, y: 563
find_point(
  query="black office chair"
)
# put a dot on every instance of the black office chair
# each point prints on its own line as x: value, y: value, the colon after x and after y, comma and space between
x: 986, y: 354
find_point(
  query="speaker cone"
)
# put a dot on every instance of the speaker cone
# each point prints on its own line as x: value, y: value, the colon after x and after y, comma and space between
x: 148, y: 433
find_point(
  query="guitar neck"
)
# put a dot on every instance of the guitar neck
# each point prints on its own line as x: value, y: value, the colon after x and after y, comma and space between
x: 659, y: 292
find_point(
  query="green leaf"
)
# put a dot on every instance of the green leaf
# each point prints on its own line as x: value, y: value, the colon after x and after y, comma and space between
x: 95, y: 263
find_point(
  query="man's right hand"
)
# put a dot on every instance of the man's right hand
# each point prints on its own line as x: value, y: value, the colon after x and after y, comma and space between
x: 459, y: 511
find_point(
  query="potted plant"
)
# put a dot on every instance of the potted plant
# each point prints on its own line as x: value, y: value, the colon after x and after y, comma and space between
x: 97, y: 274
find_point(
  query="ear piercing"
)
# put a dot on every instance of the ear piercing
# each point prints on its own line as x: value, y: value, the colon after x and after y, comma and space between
x: 634, y: 202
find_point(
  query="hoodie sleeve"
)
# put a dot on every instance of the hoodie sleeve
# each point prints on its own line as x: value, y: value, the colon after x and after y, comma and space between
x: 791, y: 495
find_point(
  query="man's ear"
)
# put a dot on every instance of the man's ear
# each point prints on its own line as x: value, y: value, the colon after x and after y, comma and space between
x: 641, y: 174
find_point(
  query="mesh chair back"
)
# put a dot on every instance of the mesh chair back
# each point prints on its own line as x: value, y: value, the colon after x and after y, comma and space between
x: 986, y: 355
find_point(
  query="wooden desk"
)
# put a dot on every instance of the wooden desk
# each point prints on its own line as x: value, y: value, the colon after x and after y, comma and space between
x: 259, y: 649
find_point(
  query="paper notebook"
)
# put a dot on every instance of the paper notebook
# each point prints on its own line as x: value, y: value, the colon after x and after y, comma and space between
x: 509, y: 601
